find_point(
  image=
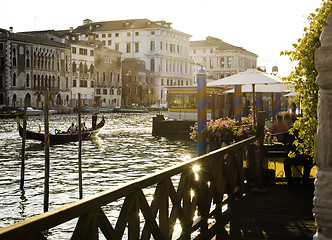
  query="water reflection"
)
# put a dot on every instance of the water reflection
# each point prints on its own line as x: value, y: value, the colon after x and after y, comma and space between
x: 123, y: 151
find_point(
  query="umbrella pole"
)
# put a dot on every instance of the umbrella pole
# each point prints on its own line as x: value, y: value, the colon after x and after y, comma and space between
x: 254, y: 103
x: 272, y: 103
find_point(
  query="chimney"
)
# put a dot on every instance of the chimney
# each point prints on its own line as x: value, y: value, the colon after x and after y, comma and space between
x: 11, y: 29
x: 71, y: 29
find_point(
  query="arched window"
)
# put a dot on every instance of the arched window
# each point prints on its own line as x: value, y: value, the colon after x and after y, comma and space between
x: 85, y: 70
x: 27, y: 59
x: 14, y: 80
x: 14, y: 57
x: 14, y: 100
x: 74, y: 67
x: 28, y: 99
x: 81, y: 67
x: 27, y: 80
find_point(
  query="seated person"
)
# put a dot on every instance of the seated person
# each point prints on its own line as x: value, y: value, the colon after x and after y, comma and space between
x: 299, y: 159
x: 72, y: 128
x: 279, y: 127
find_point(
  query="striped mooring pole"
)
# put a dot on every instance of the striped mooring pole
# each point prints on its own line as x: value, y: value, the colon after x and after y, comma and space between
x: 201, y: 111
x: 259, y: 103
x: 278, y: 103
x: 237, y: 102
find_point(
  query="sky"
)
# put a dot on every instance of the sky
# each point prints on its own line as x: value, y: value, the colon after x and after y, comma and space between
x: 264, y: 27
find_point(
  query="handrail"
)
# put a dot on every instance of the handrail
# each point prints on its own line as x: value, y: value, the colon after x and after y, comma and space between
x: 222, y: 169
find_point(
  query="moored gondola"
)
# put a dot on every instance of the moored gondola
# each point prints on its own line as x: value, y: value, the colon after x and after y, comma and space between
x: 63, y: 137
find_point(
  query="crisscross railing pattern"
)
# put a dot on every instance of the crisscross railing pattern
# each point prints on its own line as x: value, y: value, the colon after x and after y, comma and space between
x: 197, y: 200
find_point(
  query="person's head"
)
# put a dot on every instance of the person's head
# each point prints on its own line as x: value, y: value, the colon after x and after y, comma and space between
x: 287, y: 117
x: 279, y: 117
x: 73, y: 124
x: 293, y: 117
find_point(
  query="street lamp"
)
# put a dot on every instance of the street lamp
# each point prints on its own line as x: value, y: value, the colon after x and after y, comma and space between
x: 274, y: 70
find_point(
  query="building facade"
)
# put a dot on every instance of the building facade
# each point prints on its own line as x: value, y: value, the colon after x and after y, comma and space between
x: 221, y: 59
x: 29, y: 65
x: 108, y: 87
x: 138, y: 88
x: 164, y: 50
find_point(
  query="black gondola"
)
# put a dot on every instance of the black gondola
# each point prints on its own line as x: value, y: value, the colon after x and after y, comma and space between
x: 63, y: 137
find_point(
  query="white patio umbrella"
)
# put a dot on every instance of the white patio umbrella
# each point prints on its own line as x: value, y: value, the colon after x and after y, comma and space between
x: 252, y: 77
x: 265, y: 88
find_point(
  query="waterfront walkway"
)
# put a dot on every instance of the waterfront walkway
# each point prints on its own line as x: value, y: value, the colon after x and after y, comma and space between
x: 282, y: 213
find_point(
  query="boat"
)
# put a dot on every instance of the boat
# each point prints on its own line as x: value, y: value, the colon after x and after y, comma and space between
x: 35, y: 112
x: 11, y: 112
x: 63, y: 136
x: 130, y: 110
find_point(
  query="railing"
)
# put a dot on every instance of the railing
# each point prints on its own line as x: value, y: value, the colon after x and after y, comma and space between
x: 197, y: 195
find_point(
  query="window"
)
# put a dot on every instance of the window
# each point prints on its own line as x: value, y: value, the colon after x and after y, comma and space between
x: 211, y: 62
x: 27, y: 81
x: 1, y: 82
x: 109, y: 43
x: 116, y: 34
x: 128, y: 34
x: 178, y: 48
x: 83, y: 51
x: 98, y: 91
x: 229, y: 61
x: 194, y: 51
x: 105, y: 91
x: 116, y: 47
x: 1, y: 47
x: 211, y: 50
x: 74, y: 83
x: 136, y: 33
x: 109, y: 35
x: 73, y: 50
x: 103, y: 43
x: 162, y: 82
x: 152, y: 33
x: 2, y: 63
x: 161, y: 45
x: 83, y: 83
x: 92, y: 53
x: 14, y: 58
x: 152, y: 64
x: 128, y: 48
x: 129, y: 90
x: 137, y: 47
x: 14, y: 80
x: 103, y: 35
x: 222, y: 62
x: 152, y: 45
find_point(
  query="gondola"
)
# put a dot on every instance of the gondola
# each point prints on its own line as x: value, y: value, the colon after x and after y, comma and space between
x: 63, y: 137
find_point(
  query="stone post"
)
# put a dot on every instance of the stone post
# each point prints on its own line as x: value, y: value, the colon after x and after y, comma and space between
x: 323, y: 140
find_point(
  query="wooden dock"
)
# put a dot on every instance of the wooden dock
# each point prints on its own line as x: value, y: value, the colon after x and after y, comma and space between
x: 282, y: 213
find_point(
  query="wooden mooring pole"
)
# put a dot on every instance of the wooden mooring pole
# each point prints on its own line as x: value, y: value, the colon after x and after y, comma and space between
x: 23, y: 146
x: 80, y: 179
x: 47, y: 151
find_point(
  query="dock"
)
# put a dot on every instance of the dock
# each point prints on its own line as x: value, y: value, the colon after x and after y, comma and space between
x: 283, y: 212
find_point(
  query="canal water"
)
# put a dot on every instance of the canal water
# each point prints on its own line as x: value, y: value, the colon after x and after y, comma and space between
x: 124, y: 150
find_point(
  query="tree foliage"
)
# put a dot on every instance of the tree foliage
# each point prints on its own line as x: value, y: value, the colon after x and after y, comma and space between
x: 304, y: 76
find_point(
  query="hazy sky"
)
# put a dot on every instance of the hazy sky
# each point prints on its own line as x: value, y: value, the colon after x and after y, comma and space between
x: 264, y: 27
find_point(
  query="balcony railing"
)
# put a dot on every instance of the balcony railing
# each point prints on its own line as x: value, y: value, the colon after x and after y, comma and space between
x: 192, y: 196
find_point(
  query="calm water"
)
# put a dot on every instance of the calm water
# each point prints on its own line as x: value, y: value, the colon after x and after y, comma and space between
x: 124, y: 150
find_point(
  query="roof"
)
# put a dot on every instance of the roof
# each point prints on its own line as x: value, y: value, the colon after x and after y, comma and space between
x: 29, y: 38
x: 216, y: 43
x: 129, y: 24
